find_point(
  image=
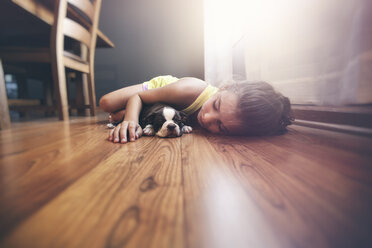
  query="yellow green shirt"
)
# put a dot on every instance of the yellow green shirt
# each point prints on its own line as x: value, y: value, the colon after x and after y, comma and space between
x: 162, y: 81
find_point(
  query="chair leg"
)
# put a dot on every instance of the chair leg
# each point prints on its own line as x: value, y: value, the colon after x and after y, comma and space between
x: 92, y: 93
x: 4, y: 108
x: 88, y: 81
x: 48, y: 94
x: 59, y: 80
x: 82, y: 98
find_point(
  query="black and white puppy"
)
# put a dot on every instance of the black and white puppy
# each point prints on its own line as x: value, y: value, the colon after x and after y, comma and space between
x: 163, y: 121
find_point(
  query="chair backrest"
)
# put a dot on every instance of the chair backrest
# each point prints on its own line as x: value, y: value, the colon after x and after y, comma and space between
x: 77, y: 19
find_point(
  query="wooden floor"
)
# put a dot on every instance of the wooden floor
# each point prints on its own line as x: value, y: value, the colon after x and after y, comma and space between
x: 64, y: 185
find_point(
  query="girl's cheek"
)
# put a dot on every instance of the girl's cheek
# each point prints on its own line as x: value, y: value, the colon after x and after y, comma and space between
x: 212, y: 129
x: 206, y: 107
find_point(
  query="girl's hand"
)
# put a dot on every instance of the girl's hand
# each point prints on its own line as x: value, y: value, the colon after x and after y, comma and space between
x: 119, y: 133
x: 117, y: 116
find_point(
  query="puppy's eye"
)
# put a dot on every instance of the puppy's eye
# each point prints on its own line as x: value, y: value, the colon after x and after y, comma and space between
x: 177, y: 118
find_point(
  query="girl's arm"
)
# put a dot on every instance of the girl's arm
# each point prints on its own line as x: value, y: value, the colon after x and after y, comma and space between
x: 117, y: 100
x: 179, y: 94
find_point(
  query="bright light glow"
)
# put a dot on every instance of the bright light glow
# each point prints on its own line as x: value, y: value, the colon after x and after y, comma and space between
x: 227, y: 21
x: 309, y: 50
x: 233, y: 18
x: 232, y: 219
x: 268, y: 26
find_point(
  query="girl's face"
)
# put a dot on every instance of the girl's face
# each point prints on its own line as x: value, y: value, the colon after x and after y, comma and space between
x: 219, y: 113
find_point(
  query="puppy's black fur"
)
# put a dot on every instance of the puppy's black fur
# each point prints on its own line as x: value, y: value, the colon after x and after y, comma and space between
x: 154, y: 115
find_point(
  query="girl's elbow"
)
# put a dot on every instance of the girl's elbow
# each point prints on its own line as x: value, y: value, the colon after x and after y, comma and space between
x: 105, y: 104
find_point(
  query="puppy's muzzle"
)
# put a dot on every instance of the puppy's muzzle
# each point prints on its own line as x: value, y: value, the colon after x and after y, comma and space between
x: 173, y: 131
x: 169, y: 129
x: 171, y: 126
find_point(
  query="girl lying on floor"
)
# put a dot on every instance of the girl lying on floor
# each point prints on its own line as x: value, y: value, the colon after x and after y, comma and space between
x: 240, y: 108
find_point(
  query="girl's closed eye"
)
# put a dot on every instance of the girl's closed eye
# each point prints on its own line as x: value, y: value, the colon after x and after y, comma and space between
x: 217, y: 104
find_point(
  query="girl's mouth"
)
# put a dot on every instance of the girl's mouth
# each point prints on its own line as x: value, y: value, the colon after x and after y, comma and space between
x: 200, y: 120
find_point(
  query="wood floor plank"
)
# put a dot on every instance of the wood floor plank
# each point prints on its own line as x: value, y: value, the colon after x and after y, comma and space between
x: 304, y: 189
x: 218, y: 211
x: 24, y: 136
x: 32, y: 178
x: 62, y: 184
x: 133, y: 198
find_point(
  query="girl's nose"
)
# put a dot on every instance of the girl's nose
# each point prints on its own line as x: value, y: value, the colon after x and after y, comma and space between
x: 208, y: 118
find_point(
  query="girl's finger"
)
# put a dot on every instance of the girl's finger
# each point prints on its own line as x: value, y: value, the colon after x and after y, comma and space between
x: 116, y: 133
x: 132, y: 131
x: 123, y: 132
x: 138, y: 132
x: 111, y: 133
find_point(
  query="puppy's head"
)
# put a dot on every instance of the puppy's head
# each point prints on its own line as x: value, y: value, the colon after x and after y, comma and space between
x: 164, y: 120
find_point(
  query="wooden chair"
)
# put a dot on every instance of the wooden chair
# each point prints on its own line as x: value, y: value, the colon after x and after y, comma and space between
x: 4, y: 111
x: 79, y: 26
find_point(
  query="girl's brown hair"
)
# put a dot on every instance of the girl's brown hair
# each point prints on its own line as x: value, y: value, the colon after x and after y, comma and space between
x: 262, y: 110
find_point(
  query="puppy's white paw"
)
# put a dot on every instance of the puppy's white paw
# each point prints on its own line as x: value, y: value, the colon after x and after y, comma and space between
x: 149, y: 130
x: 110, y: 125
x: 187, y: 129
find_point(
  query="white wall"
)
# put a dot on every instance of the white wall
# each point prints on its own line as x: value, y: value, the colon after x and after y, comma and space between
x: 315, y: 52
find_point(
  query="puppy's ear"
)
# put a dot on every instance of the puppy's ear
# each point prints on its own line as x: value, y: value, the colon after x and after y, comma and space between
x: 149, y: 119
x: 183, y: 117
